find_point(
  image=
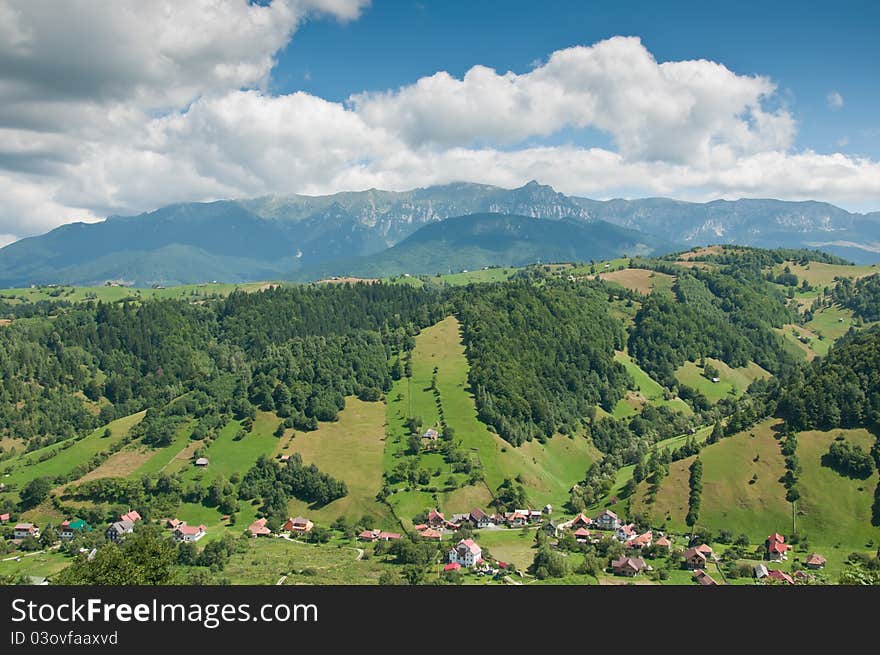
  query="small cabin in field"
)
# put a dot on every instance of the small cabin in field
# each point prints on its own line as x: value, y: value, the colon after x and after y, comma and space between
x: 202, y: 461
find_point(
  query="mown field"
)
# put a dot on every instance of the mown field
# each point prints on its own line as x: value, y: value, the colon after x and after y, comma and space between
x: 23, y: 468
x: 640, y: 280
x: 732, y: 381
x: 350, y: 449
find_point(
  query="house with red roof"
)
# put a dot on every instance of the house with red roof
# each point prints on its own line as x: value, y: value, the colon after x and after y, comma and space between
x: 436, y: 519
x: 132, y: 516
x: 189, y: 533
x: 466, y: 553
x: 815, y: 561
x: 582, y: 535
x: 368, y: 535
x: 298, y: 525
x: 389, y: 536
x: 431, y: 533
x: 258, y: 528
x: 643, y: 540
x: 777, y: 549
x: 780, y: 576
x: 516, y: 519
x: 663, y: 543
x: 4, y: 518
x: 452, y: 566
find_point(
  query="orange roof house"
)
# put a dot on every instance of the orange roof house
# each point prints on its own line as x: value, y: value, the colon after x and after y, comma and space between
x: 258, y: 528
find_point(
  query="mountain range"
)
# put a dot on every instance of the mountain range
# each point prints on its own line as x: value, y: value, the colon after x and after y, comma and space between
x: 378, y: 232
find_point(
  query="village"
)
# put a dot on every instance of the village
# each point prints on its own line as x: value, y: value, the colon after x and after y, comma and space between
x: 631, y: 555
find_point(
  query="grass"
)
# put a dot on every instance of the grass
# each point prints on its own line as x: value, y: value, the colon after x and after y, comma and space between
x: 514, y: 546
x: 350, y: 449
x: 728, y: 501
x: 640, y: 280
x: 228, y: 456
x: 732, y: 381
x: 648, y: 388
x: 162, y: 458
x: 193, y: 292
x: 40, y: 564
x: 26, y: 467
x: 820, y: 274
x: 265, y: 561
x: 834, y: 509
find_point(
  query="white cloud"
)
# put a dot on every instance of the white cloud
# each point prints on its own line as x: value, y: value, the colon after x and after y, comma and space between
x: 167, y: 115
x: 835, y: 100
x: 687, y: 111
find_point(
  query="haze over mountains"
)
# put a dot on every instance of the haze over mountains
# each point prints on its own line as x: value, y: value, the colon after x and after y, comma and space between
x: 382, y: 232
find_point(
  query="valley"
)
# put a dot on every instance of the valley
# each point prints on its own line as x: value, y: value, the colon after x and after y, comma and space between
x: 436, y: 394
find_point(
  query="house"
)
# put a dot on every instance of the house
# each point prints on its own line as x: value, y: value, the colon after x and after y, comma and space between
x: 460, y: 519
x: 663, y: 543
x: 22, y: 530
x: 431, y: 434
x: 466, y: 552
x: 582, y: 535
x: 579, y: 521
x: 430, y: 533
x: 760, y: 571
x: 479, y: 518
x: 625, y: 533
x: 643, y: 540
x: 389, y: 536
x: 285, y: 458
x: 695, y: 558
x: 132, y: 516
x: 202, y: 461
x: 815, y: 562
x: 551, y: 528
x: 516, y: 519
x: 368, y: 535
x: 436, y: 519
x: 258, y: 528
x: 780, y: 576
x: 534, y: 515
x: 299, y: 525
x: 777, y: 549
x: 629, y: 566
x: 116, y: 531
x: 704, y: 578
x: 4, y: 518
x: 173, y: 524
x: 607, y: 520
x: 69, y: 529
x: 452, y: 566
x: 189, y: 533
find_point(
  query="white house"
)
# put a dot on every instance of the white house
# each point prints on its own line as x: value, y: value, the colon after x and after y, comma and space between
x: 607, y: 520
x: 466, y: 553
x: 23, y: 530
x: 189, y: 533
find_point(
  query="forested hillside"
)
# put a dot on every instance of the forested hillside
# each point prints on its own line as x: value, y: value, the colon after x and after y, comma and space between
x: 585, y: 386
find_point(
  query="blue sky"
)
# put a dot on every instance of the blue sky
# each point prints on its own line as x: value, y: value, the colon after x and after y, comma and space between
x: 123, y: 107
x: 809, y: 49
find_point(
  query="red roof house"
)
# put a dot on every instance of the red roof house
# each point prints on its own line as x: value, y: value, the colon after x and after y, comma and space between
x: 258, y: 528
x: 452, y: 566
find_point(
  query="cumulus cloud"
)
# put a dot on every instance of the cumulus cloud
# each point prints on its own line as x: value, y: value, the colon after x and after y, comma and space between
x: 835, y: 100
x: 687, y: 111
x: 166, y: 113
